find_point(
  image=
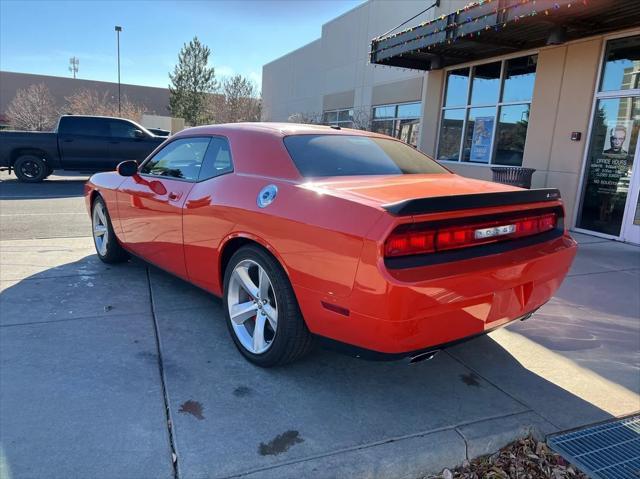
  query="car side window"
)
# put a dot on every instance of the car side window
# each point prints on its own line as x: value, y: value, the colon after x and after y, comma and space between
x: 83, y: 126
x: 121, y: 129
x: 180, y: 159
x: 217, y: 160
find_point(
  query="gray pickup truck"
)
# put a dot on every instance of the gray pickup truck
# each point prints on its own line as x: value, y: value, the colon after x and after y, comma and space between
x: 79, y: 143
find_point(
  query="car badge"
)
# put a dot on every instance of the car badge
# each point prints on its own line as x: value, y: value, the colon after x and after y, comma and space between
x: 497, y: 231
x: 267, y: 195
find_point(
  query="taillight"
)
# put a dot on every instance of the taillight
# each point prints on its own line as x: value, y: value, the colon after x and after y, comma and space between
x: 421, y: 239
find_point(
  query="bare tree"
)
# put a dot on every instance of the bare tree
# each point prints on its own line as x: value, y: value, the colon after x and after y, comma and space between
x: 238, y: 100
x: 90, y: 102
x: 362, y: 118
x: 33, y: 108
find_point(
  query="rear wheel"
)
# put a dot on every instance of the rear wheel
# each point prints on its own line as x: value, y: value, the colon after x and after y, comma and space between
x: 261, y: 309
x: 30, y: 169
x: 104, y: 239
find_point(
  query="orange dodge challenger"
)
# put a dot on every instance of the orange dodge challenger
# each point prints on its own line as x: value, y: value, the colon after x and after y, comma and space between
x: 319, y: 232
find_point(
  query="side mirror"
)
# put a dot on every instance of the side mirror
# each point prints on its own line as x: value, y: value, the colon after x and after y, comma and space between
x: 127, y: 168
x: 138, y: 134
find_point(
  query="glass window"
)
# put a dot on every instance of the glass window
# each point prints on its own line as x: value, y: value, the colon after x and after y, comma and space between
x: 477, y: 141
x: 217, y: 159
x: 122, y: 129
x: 85, y: 126
x: 519, y: 78
x: 408, y: 131
x: 511, y: 134
x: 330, y: 116
x: 342, y: 118
x: 401, y: 121
x: 486, y: 84
x: 621, y: 65
x: 451, y: 134
x: 614, y: 137
x: 345, y: 115
x: 457, y: 87
x: 179, y: 159
x: 388, y: 111
x: 384, y: 127
x: 344, y: 155
x: 409, y: 110
x: 485, y: 138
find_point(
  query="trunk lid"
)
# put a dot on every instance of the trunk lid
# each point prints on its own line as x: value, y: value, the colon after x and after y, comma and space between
x: 383, y: 190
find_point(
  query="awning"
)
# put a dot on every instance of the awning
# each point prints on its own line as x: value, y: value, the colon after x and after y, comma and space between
x: 490, y: 28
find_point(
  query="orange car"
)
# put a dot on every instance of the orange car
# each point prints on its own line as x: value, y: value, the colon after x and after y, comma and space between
x: 319, y: 232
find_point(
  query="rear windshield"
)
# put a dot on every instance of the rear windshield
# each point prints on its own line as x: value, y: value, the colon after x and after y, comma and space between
x: 345, y: 155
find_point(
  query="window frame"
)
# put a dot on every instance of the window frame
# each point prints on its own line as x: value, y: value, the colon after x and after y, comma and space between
x: 468, y: 106
x: 197, y: 180
x: 338, y: 122
x: 397, y: 119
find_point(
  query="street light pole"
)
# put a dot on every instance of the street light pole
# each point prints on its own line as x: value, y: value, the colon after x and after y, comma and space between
x: 118, y: 30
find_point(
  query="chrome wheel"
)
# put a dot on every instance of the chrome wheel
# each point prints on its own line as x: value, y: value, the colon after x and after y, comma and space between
x: 252, y: 306
x: 100, y: 228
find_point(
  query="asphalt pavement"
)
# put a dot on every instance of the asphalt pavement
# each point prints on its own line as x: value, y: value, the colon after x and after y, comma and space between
x: 51, y: 209
x: 127, y: 372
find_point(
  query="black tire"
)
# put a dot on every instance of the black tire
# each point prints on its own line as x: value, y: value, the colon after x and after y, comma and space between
x: 30, y: 169
x: 292, y: 339
x: 111, y: 252
x: 49, y: 171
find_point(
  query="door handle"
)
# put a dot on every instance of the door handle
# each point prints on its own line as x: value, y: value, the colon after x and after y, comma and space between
x: 114, y: 142
x: 68, y: 140
x: 174, y: 196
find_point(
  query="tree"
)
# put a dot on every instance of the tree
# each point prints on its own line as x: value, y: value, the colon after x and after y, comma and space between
x: 238, y: 101
x: 192, y: 81
x: 90, y: 102
x: 33, y: 108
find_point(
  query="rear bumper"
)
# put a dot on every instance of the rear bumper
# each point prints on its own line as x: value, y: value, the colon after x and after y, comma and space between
x: 401, y: 312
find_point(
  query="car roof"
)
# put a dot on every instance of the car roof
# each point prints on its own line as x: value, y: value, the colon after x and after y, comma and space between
x: 275, y: 129
x: 258, y: 149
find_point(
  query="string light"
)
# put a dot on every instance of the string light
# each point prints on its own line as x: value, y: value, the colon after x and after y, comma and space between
x: 454, y: 23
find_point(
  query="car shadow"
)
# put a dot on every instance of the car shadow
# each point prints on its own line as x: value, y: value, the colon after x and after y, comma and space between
x: 52, y: 187
x: 330, y: 401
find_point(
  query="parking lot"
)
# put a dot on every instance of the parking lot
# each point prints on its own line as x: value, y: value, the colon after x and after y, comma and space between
x: 126, y: 372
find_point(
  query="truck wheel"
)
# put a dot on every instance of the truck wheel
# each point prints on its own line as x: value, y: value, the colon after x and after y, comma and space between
x: 104, y: 238
x: 30, y: 169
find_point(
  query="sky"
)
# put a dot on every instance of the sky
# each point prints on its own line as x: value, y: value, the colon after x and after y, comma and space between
x: 39, y: 36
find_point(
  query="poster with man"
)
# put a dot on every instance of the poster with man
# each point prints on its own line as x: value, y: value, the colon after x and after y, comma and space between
x: 481, y: 140
x: 618, y: 140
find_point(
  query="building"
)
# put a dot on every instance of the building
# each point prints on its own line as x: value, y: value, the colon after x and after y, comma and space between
x: 155, y: 100
x: 552, y: 85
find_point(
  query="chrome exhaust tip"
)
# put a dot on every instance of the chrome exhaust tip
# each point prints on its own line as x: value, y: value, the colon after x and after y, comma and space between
x: 426, y: 356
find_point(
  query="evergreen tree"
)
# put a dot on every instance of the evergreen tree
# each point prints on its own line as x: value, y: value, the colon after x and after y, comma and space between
x: 192, y: 81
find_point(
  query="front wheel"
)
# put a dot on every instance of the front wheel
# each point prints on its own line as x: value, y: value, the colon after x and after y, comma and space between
x: 261, y: 309
x: 30, y: 169
x: 104, y: 239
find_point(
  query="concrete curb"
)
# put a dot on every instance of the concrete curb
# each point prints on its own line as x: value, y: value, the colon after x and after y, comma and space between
x: 487, y: 437
x: 415, y: 456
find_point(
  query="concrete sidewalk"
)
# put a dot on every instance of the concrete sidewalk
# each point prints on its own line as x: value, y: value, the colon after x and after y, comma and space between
x: 115, y: 371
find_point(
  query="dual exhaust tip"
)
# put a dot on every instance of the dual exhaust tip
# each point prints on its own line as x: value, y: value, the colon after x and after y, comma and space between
x: 425, y: 356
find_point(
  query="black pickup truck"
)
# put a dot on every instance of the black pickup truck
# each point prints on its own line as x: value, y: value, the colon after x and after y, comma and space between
x: 79, y: 143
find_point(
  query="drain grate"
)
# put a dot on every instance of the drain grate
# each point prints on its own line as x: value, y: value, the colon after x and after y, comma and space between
x: 609, y: 450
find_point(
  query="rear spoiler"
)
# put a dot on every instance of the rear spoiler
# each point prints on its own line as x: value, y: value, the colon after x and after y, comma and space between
x: 439, y: 204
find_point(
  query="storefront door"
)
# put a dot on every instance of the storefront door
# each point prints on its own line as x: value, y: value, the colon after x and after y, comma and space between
x: 609, y: 194
x: 631, y: 221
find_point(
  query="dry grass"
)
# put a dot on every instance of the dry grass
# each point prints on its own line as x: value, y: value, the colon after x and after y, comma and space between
x: 523, y: 459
